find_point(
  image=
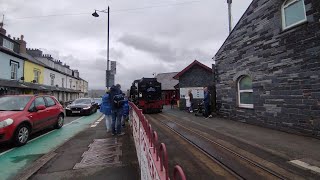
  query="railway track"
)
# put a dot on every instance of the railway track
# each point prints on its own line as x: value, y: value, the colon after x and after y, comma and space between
x: 236, y: 164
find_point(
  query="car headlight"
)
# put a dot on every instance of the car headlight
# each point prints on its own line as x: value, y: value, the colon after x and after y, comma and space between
x: 68, y: 108
x: 86, y: 108
x: 6, y: 123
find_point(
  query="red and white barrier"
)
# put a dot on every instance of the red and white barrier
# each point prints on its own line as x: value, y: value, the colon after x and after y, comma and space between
x: 152, y: 156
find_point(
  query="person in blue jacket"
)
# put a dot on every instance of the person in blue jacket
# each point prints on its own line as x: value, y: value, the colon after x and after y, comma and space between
x: 106, y: 109
x: 125, y: 112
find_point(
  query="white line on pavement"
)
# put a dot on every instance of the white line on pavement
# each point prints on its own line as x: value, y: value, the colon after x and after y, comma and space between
x: 7, y: 151
x: 40, y: 136
x: 97, y: 122
x: 306, y: 165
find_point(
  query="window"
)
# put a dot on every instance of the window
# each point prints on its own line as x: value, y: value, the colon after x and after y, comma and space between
x: 50, y: 101
x: 293, y: 13
x: 8, y: 44
x: 39, y: 101
x: 62, y: 85
x: 245, y: 92
x: 70, y: 83
x: 52, y: 76
x: 14, y: 70
x: 36, y: 73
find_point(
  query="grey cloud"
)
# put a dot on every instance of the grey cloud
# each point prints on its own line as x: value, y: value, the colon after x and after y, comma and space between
x: 161, y: 50
x: 142, y: 42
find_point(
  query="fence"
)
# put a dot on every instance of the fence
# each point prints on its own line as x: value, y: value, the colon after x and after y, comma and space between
x: 152, y: 155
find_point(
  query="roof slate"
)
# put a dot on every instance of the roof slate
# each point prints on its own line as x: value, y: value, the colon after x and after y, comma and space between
x: 167, y: 81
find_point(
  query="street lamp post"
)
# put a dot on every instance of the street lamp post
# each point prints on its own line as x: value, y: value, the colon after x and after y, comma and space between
x: 95, y: 14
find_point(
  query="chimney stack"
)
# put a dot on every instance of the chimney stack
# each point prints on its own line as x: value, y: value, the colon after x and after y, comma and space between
x: 23, y: 45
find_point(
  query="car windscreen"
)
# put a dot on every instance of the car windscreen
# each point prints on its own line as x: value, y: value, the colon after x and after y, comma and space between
x: 13, y: 103
x: 82, y: 101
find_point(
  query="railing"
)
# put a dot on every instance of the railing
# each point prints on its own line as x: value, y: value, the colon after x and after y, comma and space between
x: 152, y: 156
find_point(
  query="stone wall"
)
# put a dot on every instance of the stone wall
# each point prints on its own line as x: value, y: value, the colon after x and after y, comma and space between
x: 284, y: 66
x: 196, y: 76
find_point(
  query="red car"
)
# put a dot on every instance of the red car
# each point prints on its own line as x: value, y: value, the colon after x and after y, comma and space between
x: 21, y: 115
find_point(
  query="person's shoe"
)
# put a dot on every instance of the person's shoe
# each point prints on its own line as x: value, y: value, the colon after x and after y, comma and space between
x: 210, y: 116
x: 113, y: 134
x: 191, y: 111
x: 121, y: 134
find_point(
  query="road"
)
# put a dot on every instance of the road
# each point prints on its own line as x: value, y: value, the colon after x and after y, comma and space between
x: 14, y: 159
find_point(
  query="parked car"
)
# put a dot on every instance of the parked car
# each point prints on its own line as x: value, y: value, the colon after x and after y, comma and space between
x: 22, y: 115
x: 82, y: 106
x: 98, y: 101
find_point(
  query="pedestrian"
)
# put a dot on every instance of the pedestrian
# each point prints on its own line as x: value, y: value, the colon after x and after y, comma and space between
x: 117, y: 100
x: 125, y: 114
x: 105, y: 108
x: 172, y: 101
x: 191, y: 100
x: 188, y: 103
x: 206, y: 102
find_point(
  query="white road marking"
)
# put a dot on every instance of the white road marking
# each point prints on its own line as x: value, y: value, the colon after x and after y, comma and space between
x: 306, y: 165
x: 97, y: 122
x: 7, y: 151
x: 41, y: 136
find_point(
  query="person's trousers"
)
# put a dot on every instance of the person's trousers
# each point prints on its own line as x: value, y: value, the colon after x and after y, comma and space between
x: 108, y: 119
x: 206, y: 110
x: 116, y: 121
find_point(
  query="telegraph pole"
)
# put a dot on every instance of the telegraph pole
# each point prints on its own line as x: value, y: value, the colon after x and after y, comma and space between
x: 108, y: 69
x: 229, y: 15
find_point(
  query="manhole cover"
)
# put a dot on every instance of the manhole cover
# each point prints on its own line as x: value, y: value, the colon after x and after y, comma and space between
x: 102, y: 152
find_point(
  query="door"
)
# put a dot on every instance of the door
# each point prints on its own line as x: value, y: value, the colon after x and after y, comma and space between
x: 53, y: 110
x: 38, y: 118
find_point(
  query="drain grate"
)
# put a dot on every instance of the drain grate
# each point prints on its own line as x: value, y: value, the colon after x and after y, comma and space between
x: 102, y: 152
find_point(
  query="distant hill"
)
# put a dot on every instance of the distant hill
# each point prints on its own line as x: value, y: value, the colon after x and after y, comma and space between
x: 96, y: 93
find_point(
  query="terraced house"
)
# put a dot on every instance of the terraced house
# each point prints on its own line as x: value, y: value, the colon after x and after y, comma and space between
x: 267, y: 70
x: 28, y: 71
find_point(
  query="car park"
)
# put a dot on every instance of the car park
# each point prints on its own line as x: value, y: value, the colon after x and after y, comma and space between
x: 22, y: 115
x: 82, y: 106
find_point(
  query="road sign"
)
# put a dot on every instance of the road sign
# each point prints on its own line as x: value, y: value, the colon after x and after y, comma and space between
x: 113, y: 67
x: 109, y: 79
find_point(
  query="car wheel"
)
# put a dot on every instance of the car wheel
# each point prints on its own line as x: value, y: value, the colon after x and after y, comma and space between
x: 59, y: 122
x: 21, y: 135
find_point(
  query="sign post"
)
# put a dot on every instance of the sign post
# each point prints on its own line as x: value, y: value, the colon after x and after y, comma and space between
x: 109, y: 79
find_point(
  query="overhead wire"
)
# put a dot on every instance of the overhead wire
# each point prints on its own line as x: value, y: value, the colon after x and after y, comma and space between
x: 117, y: 11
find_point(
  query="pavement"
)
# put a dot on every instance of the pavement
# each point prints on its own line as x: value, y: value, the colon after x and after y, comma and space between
x: 280, y: 147
x: 92, y: 154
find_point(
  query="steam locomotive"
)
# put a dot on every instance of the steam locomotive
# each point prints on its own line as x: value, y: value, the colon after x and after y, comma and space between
x: 146, y: 94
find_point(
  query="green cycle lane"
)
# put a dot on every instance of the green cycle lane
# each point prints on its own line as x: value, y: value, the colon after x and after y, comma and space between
x: 12, y: 162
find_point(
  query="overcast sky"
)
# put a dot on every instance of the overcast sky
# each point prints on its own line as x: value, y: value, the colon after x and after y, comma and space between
x: 146, y: 36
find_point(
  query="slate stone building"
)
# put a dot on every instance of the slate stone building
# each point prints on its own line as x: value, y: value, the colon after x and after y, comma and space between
x: 195, y: 76
x: 268, y: 69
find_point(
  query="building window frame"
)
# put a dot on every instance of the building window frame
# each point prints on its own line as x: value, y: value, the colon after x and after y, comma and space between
x: 52, y: 76
x: 62, y: 82
x: 8, y: 44
x: 36, y: 75
x: 70, y: 83
x: 14, y: 70
x: 285, y: 5
x: 240, y: 91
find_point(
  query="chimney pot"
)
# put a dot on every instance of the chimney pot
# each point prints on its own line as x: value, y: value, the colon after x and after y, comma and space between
x: 22, y: 37
x: 18, y: 39
x: 9, y: 36
x: 14, y: 38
